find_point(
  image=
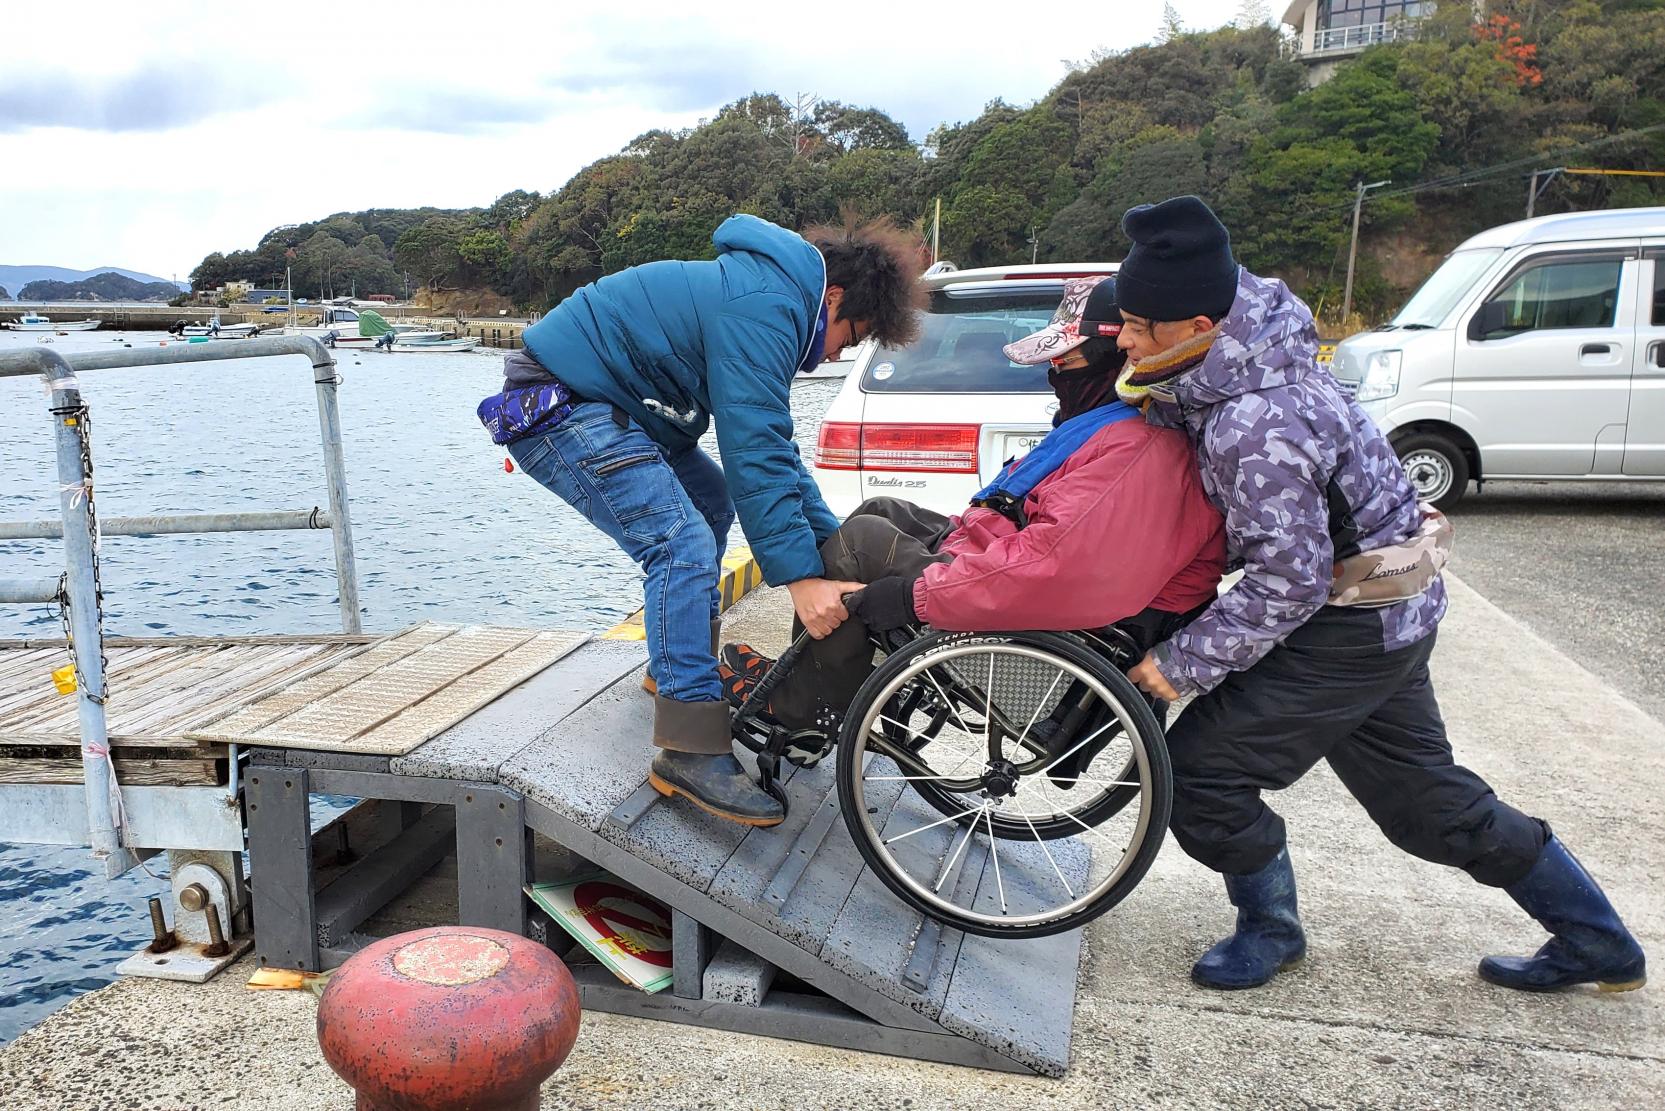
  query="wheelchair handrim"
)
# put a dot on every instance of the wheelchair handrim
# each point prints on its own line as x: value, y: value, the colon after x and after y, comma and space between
x: 1088, y: 899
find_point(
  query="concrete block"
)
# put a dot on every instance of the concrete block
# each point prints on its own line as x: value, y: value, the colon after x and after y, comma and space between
x: 736, y: 976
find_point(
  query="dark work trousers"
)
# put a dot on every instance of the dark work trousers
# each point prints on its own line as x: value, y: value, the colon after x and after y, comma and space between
x: 1330, y: 692
x: 884, y: 536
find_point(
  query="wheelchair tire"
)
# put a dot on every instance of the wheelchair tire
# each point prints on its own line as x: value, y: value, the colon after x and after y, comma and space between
x: 1007, y: 831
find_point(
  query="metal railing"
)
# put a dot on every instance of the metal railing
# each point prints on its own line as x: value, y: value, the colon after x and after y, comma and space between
x: 78, y: 590
x: 1350, y: 40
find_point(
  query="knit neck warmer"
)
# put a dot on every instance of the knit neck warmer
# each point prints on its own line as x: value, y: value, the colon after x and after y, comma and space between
x: 1135, y: 382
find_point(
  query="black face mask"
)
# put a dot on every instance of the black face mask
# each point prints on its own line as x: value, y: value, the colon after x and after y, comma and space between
x: 1086, y: 388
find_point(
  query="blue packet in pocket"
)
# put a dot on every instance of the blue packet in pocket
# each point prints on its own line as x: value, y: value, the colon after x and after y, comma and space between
x: 515, y: 414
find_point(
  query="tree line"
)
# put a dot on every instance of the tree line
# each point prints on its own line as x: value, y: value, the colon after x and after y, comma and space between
x: 1227, y: 114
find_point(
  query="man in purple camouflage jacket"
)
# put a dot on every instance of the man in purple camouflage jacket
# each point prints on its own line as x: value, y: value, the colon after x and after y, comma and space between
x: 1283, y: 672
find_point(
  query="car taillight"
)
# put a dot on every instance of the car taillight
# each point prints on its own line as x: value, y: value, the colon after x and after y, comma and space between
x: 838, y: 447
x: 946, y: 448
x: 937, y: 448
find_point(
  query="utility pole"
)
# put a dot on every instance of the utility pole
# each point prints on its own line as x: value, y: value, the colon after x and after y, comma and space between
x: 1533, y: 190
x: 1034, y: 246
x: 936, y: 233
x: 1353, y: 251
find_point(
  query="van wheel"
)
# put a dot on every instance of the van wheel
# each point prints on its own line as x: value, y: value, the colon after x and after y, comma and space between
x: 1436, y: 467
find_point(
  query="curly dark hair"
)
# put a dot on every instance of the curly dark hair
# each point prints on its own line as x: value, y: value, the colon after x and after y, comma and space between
x: 878, y: 265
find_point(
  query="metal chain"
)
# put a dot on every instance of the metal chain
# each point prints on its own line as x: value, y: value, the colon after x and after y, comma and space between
x: 84, y: 437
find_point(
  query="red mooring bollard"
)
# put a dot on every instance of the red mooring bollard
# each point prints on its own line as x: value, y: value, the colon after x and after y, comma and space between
x: 449, y: 1018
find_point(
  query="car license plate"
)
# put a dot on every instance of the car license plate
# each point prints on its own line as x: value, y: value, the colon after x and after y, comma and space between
x: 1016, y: 444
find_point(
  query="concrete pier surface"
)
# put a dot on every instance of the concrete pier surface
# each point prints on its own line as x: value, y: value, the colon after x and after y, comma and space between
x: 1386, y: 1011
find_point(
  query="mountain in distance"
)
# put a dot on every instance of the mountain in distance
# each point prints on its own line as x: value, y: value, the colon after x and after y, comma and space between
x: 100, y: 287
x: 16, y: 277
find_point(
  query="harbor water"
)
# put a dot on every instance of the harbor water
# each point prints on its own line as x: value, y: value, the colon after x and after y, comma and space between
x: 443, y: 533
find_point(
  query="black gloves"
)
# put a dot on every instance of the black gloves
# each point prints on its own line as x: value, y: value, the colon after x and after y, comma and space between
x: 884, y: 604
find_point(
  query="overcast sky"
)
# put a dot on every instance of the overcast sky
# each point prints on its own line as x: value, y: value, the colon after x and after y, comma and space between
x: 147, y: 136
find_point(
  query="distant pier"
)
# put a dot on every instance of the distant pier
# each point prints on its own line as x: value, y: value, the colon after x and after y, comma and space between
x: 129, y: 317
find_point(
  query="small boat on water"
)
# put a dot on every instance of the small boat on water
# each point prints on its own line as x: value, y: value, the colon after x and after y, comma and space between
x: 215, y: 330
x: 34, y: 322
x: 344, y: 327
x: 400, y: 344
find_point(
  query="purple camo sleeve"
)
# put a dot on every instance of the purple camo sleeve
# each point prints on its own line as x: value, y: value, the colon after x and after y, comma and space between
x: 1262, y: 464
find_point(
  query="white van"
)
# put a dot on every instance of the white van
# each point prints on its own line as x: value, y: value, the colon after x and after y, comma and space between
x: 1536, y: 350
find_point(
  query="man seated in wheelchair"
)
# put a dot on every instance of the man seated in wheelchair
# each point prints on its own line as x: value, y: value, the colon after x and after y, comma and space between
x: 1104, y: 522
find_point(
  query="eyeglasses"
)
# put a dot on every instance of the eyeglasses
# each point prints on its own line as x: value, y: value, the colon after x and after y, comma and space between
x: 856, y: 334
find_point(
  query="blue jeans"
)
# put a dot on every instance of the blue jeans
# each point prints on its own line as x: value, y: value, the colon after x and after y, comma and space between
x: 670, y: 513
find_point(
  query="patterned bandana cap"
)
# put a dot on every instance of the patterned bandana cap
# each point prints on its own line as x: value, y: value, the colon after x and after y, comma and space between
x: 1063, y: 334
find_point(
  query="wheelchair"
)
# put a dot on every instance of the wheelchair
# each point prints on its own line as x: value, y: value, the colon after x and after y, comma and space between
x: 1006, y: 784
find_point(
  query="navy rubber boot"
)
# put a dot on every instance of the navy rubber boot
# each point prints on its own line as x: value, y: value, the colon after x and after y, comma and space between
x: 1268, y: 938
x: 1589, y: 944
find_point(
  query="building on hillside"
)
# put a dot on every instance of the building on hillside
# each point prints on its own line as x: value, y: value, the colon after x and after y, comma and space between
x: 261, y: 296
x: 1328, y: 32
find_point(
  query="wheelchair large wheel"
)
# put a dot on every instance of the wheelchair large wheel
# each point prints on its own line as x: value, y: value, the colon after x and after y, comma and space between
x: 990, y: 781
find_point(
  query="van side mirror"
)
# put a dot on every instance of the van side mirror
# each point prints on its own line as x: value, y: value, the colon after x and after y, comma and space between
x: 1490, y: 320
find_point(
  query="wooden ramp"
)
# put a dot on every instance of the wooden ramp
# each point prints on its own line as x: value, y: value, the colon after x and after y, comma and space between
x: 781, y: 931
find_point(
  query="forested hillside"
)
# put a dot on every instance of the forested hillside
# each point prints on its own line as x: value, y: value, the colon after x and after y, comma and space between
x: 108, y: 286
x: 1457, y: 120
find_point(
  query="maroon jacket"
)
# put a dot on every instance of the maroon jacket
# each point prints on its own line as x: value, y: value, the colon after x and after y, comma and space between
x: 1121, y: 526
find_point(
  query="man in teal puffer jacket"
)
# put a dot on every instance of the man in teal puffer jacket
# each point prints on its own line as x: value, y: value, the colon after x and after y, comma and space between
x: 651, y: 355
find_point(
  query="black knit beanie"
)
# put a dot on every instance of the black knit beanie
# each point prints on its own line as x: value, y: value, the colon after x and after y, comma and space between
x: 1180, y: 264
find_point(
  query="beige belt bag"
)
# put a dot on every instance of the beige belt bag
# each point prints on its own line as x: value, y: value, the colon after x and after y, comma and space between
x: 1384, y: 576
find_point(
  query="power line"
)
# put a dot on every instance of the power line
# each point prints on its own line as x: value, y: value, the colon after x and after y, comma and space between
x: 1469, y: 177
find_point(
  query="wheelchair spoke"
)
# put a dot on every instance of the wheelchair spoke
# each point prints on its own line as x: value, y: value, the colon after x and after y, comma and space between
x: 933, y: 825
x: 1079, y: 745
x: 1096, y: 832
x: 907, y: 728
x: 1068, y: 890
x: 965, y: 840
x: 946, y: 701
x: 1046, y: 700
x: 988, y: 716
x: 994, y: 853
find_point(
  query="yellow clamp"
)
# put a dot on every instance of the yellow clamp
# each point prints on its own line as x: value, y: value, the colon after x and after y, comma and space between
x: 64, y: 679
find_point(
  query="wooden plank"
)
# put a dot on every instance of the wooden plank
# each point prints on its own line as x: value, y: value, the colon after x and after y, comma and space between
x: 16, y: 666
x: 117, y: 740
x: 383, y: 693
x: 139, y: 772
x: 133, y: 709
x: 16, y: 705
x: 218, y: 683
x: 263, y: 708
x: 59, y: 714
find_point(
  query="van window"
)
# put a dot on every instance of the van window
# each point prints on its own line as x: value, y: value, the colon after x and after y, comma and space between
x: 1557, y: 293
x: 1446, y: 286
x: 1659, y: 289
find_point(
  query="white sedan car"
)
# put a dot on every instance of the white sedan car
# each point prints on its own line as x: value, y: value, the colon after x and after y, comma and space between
x: 935, y: 421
